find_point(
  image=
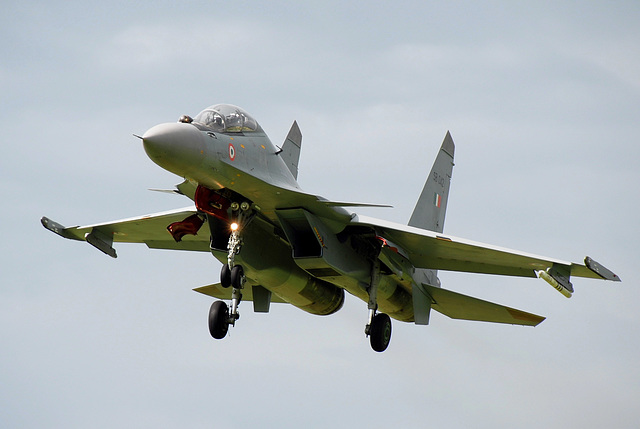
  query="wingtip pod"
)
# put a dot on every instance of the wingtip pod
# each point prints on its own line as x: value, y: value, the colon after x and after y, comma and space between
x: 553, y: 282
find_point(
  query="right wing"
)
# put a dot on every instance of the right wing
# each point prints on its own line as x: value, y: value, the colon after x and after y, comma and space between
x: 148, y: 229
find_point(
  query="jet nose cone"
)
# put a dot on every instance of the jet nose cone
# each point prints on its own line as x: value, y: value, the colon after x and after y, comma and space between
x: 173, y: 146
x: 164, y: 140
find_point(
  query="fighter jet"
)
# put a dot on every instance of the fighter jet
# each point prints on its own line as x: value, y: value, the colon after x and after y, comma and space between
x: 280, y: 244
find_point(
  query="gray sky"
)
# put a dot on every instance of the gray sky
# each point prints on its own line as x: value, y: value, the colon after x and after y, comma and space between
x: 541, y: 98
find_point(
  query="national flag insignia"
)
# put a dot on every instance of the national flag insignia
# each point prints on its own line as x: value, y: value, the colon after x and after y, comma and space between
x: 437, y: 200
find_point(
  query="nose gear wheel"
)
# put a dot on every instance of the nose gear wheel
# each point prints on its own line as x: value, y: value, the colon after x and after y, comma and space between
x: 225, y: 276
x: 218, y: 320
x: 237, y: 277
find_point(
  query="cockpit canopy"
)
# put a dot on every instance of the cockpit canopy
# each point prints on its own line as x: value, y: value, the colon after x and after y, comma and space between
x: 225, y: 118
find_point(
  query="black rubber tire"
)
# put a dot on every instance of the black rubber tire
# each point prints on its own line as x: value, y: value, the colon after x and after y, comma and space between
x: 237, y: 273
x: 225, y: 276
x: 218, y: 320
x: 380, y: 333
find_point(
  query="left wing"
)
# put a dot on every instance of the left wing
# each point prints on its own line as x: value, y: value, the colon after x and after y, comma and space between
x: 148, y: 229
x: 431, y: 250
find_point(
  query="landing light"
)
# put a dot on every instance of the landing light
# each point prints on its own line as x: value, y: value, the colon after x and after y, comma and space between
x: 234, y: 226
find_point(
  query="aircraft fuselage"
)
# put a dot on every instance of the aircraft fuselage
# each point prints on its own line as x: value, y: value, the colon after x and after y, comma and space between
x: 280, y: 244
x: 249, y: 165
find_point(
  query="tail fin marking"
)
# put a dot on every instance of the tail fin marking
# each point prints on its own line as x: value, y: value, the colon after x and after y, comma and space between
x: 431, y: 208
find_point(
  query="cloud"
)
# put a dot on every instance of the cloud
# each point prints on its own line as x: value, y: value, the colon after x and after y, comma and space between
x: 209, y: 43
x: 618, y: 58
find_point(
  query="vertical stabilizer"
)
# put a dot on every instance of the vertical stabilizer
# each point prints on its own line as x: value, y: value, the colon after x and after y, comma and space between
x: 431, y: 207
x: 290, y: 152
x: 429, y: 214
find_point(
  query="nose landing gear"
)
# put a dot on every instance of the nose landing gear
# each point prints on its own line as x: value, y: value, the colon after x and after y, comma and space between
x: 231, y: 275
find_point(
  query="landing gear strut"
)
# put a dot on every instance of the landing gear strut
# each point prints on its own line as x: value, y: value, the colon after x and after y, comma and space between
x: 231, y: 275
x: 379, y: 327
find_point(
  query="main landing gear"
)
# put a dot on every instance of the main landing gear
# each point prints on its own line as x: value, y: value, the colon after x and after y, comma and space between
x: 379, y: 327
x: 232, y: 275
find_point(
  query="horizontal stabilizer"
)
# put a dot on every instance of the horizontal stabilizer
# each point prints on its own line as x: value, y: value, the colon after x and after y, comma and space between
x: 458, y: 306
x: 263, y: 297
